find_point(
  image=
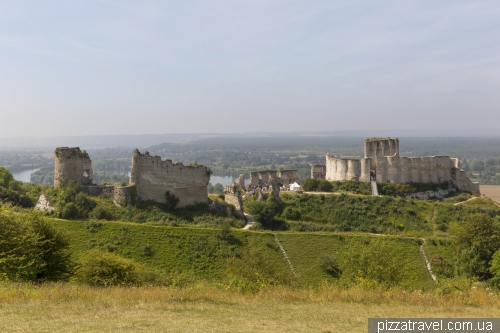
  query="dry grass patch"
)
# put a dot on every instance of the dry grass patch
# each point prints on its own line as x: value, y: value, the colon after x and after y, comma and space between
x: 208, y: 308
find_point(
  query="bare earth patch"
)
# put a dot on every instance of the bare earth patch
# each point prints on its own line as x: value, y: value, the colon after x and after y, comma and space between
x: 491, y: 191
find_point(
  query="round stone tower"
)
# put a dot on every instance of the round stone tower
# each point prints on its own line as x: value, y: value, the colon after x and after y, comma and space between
x: 72, y: 164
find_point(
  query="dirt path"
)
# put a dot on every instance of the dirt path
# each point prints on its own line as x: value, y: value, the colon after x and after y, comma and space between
x: 250, y: 221
x: 461, y: 202
x: 284, y: 254
x: 427, y: 263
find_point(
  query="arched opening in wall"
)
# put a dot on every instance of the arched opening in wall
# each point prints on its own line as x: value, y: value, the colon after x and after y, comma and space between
x: 86, y: 174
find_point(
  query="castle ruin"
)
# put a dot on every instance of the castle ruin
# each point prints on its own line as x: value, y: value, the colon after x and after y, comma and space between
x: 382, y: 163
x: 150, y: 178
x: 72, y: 164
x: 268, y: 177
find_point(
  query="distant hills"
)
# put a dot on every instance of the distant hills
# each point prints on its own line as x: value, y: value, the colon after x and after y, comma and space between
x: 146, y: 140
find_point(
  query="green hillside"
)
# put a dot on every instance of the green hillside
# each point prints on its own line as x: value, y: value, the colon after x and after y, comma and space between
x: 387, y: 259
x: 247, y: 259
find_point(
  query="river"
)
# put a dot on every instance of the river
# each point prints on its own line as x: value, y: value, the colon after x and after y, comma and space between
x: 24, y: 175
x: 225, y: 180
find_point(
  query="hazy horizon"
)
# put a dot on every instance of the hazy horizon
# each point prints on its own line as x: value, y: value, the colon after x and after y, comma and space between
x: 108, y: 67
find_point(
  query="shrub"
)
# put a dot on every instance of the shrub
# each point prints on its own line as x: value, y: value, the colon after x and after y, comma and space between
x: 70, y: 211
x: 291, y: 213
x: 263, y: 211
x: 475, y: 244
x: 32, y: 250
x: 53, y: 247
x: 171, y: 200
x: 495, y: 269
x: 329, y: 264
x: 100, y: 213
x: 104, y: 269
x: 84, y: 204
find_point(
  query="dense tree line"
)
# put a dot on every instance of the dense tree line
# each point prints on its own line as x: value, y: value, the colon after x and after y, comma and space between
x: 19, y: 160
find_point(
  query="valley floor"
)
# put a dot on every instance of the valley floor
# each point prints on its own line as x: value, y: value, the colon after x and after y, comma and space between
x: 202, y: 308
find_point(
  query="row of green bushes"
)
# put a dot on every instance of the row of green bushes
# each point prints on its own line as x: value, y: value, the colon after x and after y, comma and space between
x: 359, y: 187
x: 388, y: 188
x: 321, y: 185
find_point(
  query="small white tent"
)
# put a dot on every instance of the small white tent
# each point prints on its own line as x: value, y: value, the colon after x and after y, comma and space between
x: 295, y: 187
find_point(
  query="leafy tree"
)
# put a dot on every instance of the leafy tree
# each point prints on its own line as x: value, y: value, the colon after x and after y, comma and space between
x: 263, y: 211
x: 53, y: 252
x: 31, y: 250
x: 6, y: 178
x: 218, y: 188
x: 475, y: 245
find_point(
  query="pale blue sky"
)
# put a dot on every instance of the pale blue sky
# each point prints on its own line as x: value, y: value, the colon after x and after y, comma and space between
x: 137, y: 67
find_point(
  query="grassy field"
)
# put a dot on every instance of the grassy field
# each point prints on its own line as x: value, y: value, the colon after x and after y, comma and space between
x: 491, y: 191
x: 205, y: 308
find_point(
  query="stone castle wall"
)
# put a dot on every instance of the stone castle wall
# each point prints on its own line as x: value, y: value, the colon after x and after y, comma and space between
x: 152, y: 177
x: 120, y: 194
x: 382, y: 161
x: 267, y: 177
x: 430, y: 169
x: 340, y: 169
x: 72, y: 164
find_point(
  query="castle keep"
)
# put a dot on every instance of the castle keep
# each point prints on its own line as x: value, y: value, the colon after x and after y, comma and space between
x: 150, y: 178
x: 382, y: 163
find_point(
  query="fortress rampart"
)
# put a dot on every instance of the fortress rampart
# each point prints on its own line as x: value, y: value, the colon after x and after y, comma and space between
x: 152, y: 177
x: 267, y: 177
x: 383, y: 163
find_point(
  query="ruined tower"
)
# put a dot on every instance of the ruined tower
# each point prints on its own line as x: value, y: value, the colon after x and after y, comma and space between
x: 72, y: 164
x: 380, y: 147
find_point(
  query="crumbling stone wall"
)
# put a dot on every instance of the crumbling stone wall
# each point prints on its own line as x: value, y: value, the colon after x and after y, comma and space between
x: 72, y: 164
x: 241, y: 181
x: 318, y: 171
x: 267, y: 177
x: 152, y: 177
x: 233, y: 197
